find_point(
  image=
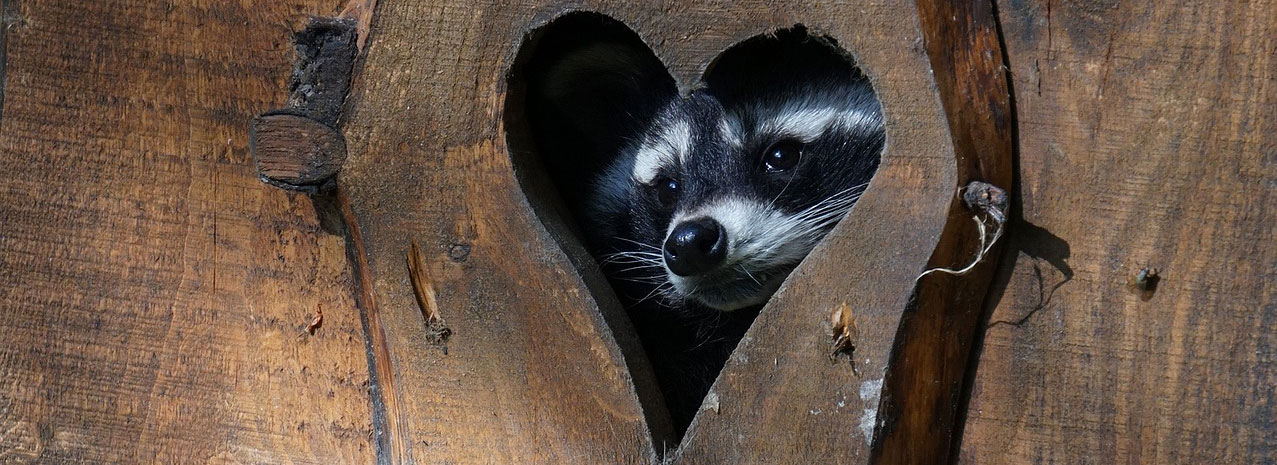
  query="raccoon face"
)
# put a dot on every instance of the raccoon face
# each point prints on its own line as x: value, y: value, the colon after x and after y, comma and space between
x: 729, y: 196
x: 712, y: 197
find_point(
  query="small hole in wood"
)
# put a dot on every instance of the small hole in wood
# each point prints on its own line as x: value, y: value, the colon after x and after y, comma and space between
x: 695, y: 207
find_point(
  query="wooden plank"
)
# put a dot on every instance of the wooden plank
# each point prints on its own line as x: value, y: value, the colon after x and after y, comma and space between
x: 537, y: 369
x: 923, y: 393
x: 529, y: 374
x: 1146, y: 140
x: 781, y: 399
x: 155, y: 294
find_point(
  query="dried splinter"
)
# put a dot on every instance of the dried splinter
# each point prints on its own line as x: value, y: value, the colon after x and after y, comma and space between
x: 316, y: 322
x: 436, y: 331
x: 845, y: 333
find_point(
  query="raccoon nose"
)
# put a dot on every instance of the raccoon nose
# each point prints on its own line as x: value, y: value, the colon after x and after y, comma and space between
x: 695, y: 246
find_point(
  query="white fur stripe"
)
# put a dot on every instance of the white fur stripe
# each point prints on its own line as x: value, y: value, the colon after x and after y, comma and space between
x: 665, y: 149
x: 729, y: 130
x: 807, y: 124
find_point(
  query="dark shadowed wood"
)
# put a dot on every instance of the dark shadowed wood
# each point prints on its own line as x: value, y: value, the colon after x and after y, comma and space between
x: 533, y: 372
x: 1147, y: 139
x: 326, y: 52
x: 155, y: 295
x: 923, y: 392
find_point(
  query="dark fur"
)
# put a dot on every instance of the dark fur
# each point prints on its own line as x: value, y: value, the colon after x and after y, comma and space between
x: 598, y: 92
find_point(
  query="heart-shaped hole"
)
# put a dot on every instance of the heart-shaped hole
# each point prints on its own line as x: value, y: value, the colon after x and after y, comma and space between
x: 695, y: 205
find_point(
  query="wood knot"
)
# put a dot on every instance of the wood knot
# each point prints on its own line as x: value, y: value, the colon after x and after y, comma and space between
x: 299, y: 147
x: 296, y: 152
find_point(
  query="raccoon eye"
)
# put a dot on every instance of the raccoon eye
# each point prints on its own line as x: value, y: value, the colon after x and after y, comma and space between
x: 783, y: 155
x: 666, y: 191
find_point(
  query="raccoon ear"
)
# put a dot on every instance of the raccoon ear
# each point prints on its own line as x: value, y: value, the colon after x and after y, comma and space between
x: 592, y: 85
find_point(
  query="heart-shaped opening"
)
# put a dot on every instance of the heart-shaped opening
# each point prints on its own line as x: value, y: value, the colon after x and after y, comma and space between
x: 695, y: 205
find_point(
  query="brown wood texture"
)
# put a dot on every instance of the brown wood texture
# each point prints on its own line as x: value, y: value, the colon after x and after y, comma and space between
x: 533, y: 372
x: 294, y: 150
x: 155, y: 297
x: 154, y: 294
x: 923, y: 393
x: 1148, y: 138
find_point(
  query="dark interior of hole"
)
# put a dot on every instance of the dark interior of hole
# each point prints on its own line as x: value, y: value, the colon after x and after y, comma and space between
x: 585, y: 91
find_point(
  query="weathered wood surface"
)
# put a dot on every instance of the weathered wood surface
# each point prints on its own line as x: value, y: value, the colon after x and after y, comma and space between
x: 294, y: 151
x: 154, y: 294
x: 923, y: 393
x: 1148, y: 138
x: 532, y: 373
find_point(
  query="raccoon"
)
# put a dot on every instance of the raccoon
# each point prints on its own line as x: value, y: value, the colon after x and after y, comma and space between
x: 698, y: 206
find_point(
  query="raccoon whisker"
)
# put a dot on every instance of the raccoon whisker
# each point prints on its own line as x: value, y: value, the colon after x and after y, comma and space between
x: 848, y: 195
x: 831, y: 215
x: 671, y: 295
x: 640, y: 244
x: 838, y: 208
x: 835, y: 211
x: 635, y: 259
x: 650, y: 277
x: 782, y: 192
x: 708, y: 340
x: 631, y: 257
x: 834, y: 206
x: 751, y: 276
x: 690, y: 292
x: 633, y: 253
x: 625, y: 261
x: 642, y: 267
x: 807, y: 226
x: 654, y: 292
x: 628, y: 258
x: 642, y: 281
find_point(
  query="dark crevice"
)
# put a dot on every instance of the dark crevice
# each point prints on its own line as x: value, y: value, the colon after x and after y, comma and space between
x: 387, y: 436
x: 546, y: 180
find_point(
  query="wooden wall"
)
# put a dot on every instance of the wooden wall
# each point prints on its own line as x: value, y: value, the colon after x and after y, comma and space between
x: 154, y: 295
x: 1148, y: 138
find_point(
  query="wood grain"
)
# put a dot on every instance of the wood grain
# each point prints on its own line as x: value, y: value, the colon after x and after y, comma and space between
x: 537, y: 369
x: 154, y: 293
x: 1146, y: 140
x: 295, y: 152
x: 155, y: 296
x: 920, y: 416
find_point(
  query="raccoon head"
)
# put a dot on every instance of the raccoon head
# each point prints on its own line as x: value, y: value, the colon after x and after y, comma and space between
x: 713, y: 197
x: 731, y: 195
